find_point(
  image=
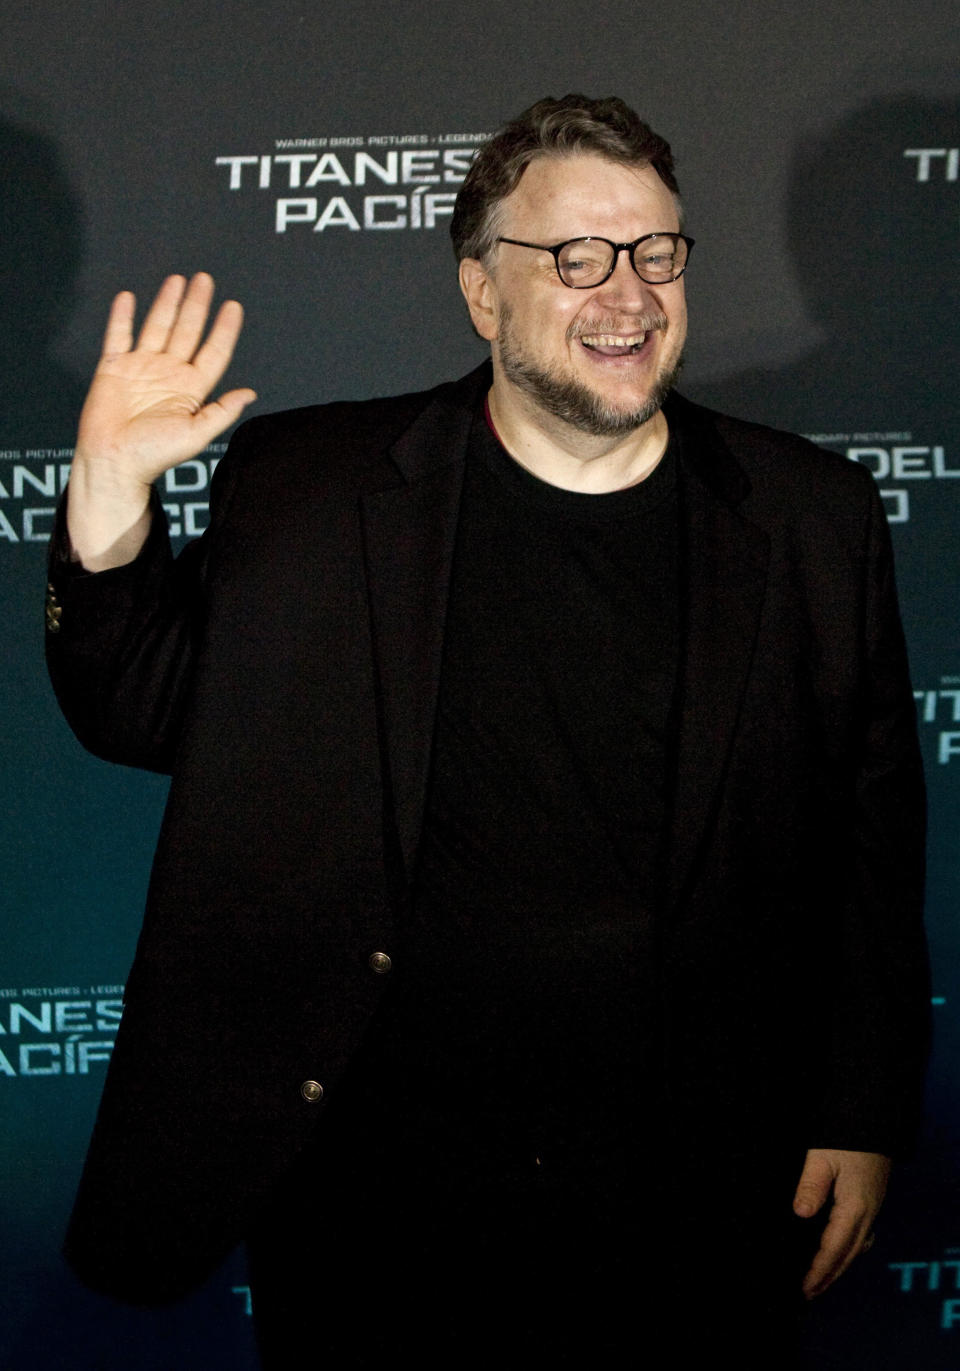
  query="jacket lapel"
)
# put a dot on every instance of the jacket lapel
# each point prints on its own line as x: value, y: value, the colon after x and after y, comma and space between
x: 409, y: 534
x: 409, y: 531
x: 724, y: 562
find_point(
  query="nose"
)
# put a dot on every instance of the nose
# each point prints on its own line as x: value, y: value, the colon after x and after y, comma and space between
x: 623, y: 285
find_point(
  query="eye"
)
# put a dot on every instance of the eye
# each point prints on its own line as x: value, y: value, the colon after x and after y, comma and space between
x: 663, y: 259
x: 584, y: 260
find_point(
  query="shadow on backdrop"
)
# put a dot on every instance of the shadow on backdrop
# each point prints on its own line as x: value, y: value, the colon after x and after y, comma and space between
x: 876, y: 259
x: 42, y: 235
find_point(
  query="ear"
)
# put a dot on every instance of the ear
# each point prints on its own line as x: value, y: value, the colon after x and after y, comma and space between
x: 480, y: 294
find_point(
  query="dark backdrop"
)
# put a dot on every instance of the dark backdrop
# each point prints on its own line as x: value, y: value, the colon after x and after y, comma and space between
x: 307, y: 155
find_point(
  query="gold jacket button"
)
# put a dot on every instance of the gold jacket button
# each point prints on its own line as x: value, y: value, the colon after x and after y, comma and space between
x: 311, y: 1091
x: 379, y: 962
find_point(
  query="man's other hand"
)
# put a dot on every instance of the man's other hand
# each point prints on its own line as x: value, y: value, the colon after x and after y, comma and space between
x: 854, y: 1184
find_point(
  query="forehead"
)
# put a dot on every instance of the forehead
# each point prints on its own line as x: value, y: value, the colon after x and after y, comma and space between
x: 565, y: 197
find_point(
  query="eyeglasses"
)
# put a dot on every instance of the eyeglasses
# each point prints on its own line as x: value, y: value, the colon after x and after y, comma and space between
x: 585, y: 262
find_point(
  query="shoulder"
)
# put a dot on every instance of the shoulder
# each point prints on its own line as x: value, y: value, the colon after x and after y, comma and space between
x: 344, y: 440
x: 767, y: 467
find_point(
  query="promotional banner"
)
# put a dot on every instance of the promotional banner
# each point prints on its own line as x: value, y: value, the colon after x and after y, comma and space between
x: 310, y: 160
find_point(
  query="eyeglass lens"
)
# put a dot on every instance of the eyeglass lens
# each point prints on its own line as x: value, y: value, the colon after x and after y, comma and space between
x: 585, y: 261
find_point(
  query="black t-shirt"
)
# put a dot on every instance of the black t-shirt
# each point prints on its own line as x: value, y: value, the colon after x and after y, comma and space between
x: 524, y: 990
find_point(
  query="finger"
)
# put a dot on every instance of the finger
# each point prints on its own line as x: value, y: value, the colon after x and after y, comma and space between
x: 219, y: 414
x: 162, y: 315
x: 214, y: 356
x: 191, y: 317
x: 118, y: 335
x: 843, y: 1239
x: 813, y: 1187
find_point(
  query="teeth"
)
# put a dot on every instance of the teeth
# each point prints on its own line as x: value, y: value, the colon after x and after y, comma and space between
x: 612, y: 340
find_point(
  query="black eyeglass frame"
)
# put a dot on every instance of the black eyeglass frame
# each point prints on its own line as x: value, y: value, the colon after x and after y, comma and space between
x: 630, y: 248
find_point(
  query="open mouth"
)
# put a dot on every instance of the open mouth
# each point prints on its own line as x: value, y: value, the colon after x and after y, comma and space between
x: 613, y: 345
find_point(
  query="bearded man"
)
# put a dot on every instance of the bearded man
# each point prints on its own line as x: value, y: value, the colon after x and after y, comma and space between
x: 527, y: 952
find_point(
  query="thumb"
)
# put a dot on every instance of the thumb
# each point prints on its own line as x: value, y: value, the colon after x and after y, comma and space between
x: 813, y: 1188
x: 219, y: 414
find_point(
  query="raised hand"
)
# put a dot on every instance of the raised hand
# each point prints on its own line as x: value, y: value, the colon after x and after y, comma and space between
x: 147, y: 410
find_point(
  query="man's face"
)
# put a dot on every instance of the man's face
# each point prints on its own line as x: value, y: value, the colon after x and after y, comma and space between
x: 600, y: 359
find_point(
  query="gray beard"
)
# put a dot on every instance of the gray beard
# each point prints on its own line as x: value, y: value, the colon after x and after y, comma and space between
x: 571, y: 401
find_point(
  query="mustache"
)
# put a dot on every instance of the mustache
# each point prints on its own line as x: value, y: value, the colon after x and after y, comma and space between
x: 617, y: 323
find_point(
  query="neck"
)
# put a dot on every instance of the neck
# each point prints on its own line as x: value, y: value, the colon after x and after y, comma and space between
x: 563, y: 456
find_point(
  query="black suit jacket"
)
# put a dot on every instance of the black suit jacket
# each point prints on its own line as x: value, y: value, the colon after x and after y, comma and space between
x: 285, y: 670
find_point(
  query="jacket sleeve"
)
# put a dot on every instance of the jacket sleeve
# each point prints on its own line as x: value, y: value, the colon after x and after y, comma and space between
x: 120, y: 643
x: 878, y: 970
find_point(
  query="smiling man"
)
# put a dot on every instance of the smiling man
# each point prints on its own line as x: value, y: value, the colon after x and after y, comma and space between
x: 533, y: 972
x: 564, y: 363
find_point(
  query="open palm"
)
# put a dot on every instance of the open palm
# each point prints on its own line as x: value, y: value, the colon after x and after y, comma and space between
x: 147, y: 407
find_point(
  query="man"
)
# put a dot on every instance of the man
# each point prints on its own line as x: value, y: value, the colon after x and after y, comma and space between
x: 527, y: 953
